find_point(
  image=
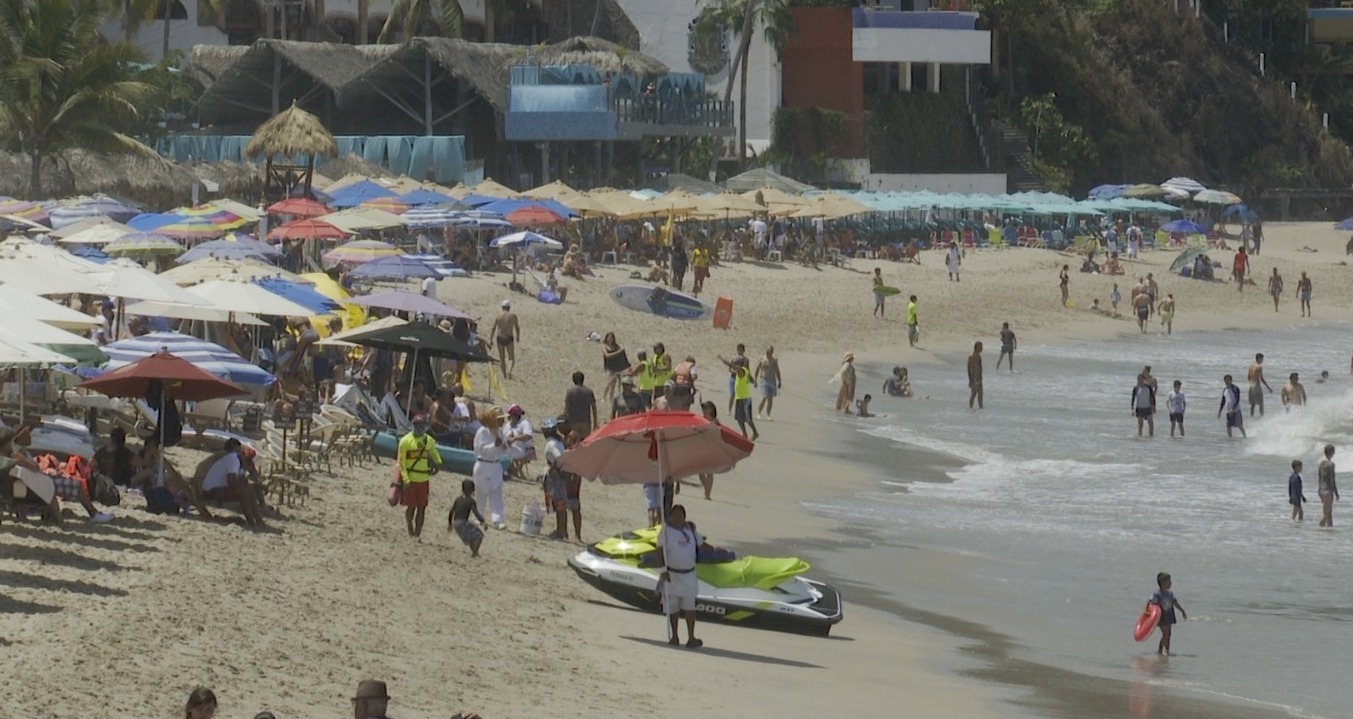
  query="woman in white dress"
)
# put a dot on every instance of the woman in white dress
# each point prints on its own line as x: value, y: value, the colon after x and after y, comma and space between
x: 954, y: 261
x: 489, y: 450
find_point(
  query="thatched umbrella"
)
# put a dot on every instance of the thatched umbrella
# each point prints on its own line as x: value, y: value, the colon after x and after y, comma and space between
x: 292, y: 132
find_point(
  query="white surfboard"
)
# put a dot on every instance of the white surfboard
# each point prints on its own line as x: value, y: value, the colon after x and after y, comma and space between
x: 661, y: 301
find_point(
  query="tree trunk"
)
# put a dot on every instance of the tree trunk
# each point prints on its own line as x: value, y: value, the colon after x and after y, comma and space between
x: 744, y: 46
x: 362, y: 20
x: 168, y: 10
x: 489, y: 22
x: 318, y: 30
x: 35, y: 176
x: 742, y: 115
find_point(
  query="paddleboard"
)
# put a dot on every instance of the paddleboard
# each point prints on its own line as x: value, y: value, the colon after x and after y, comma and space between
x: 887, y: 291
x: 1147, y: 623
x: 661, y: 301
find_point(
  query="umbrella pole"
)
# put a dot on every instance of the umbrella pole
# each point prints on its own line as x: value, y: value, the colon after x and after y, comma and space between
x: 23, y: 390
x: 662, y: 524
x: 159, y: 469
x: 413, y: 377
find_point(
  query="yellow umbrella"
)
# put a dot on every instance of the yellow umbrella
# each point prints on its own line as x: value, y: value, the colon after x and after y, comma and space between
x: 772, y: 196
x: 831, y: 205
x: 492, y: 188
x: 556, y: 190
x: 727, y: 204
x: 352, y: 315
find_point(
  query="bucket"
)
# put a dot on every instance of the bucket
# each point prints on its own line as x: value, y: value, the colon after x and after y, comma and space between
x: 532, y: 517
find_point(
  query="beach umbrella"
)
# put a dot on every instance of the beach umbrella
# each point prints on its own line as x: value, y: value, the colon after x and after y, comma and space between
x: 1142, y: 191
x: 423, y: 196
x: 219, y: 216
x: 235, y: 296
x: 23, y: 209
x: 728, y: 203
x: 522, y: 240
x: 357, y: 219
x: 352, y: 315
x: 1108, y: 192
x: 15, y: 352
x: 125, y: 279
x: 419, y: 339
x: 311, y: 229
x: 142, y: 244
x: 831, y: 205
x: 767, y: 196
x: 1345, y: 225
x: 239, y: 209
x: 358, y: 193
x: 69, y: 212
x: 344, y: 338
x: 1186, y: 258
x: 93, y: 254
x: 656, y: 446
x: 199, y: 227
x: 759, y: 177
x: 201, y: 313
x: 411, y: 302
x: 493, y: 188
x: 169, y: 378
x: 394, y: 268
x: 217, y: 268
x: 430, y: 216
x: 99, y: 231
x: 532, y: 216
x: 359, y: 252
x: 17, y: 328
x: 481, y: 220
x: 1217, y: 197
x: 14, y: 223
x: 551, y: 191
x: 302, y: 293
x: 1184, y: 184
x: 1186, y: 227
x: 302, y: 207
x: 15, y: 302
x: 237, y: 246
x: 207, y: 356
x: 391, y: 205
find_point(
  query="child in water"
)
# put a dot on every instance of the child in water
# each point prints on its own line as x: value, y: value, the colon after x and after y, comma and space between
x: 1164, y: 598
x: 862, y: 406
x: 1294, y: 495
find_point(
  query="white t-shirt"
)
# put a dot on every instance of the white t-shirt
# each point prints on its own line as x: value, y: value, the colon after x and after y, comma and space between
x: 553, y: 449
x: 430, y: 287
x: 819, y: 226
x: 484, y: 448
x: 758, y: 228
x: 218, y: 476
x: 679, y: 545
x: 1174, y: 401
x: 523, y: 427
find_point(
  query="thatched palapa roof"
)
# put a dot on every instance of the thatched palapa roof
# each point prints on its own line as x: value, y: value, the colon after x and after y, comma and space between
x: 292, y: 132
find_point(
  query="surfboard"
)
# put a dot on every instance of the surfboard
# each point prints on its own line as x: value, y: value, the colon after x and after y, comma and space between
x: 1147, y: 623
x: 887, y: 291
x: 661, y: 301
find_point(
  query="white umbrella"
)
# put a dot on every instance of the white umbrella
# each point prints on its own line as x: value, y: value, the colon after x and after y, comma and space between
x: 521, y: 240
x: 125, y: 279
x: 191, y: 312
x: 247, y: 297
x: 357, y: 219
x: 92, y: 232
x: 15, y: 302
x: 15, y: 352
x: 215, y: 268
x: 342, y: 339
x: 44, y: 270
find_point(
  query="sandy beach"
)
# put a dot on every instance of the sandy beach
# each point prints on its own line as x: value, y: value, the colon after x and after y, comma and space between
x: 127, y: 618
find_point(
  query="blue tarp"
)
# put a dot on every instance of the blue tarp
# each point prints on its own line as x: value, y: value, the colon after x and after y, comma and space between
x: 443, y: 156
x: 304, y: 295
x: 922, y: 20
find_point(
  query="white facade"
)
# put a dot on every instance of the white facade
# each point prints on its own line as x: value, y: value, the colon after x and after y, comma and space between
x: 892, y: 44
x: 664, y: 33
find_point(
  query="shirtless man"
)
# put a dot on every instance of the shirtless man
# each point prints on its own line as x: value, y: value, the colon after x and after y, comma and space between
x: 1008, y: 345
x: 1151, y: 379
x: 1152, y: 290
x: 975, y: 376
x: 1293, y: 394
x: 767, y: 374
x: 1167, y: 314
x: 1304, y: 294
x: 1275, y: 287
x: 1141, y: 304
x: 506, y: 334
x: 1257, y: 385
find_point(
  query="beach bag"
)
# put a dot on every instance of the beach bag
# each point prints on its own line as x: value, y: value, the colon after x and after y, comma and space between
x: 395, y: 492
x: 103, y: 491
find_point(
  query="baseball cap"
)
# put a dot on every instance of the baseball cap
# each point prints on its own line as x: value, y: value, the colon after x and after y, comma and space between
x: 507, y: 304
x: 515, y: 409
x: 549, y: 423
x: 420, y: 417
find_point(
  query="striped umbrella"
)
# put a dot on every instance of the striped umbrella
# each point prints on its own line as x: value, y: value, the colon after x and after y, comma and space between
x: 432, y: 217
x: 23, y: 209
x: 220, y: 217
x: 389, y: 204
x: 69, y: 212
x: 207, y: 356
x: 142, y: 244
x: 302, y: 207
x: 360, y: 252
x: 395, y: 268
x: 236, y: 246
x: 191, y: 228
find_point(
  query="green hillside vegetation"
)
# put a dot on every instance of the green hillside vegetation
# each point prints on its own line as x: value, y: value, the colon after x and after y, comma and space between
x: 1128, y: 91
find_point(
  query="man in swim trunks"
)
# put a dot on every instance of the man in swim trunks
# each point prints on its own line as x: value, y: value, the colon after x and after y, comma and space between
x: 1167, y: 314
x: 1141, y: 304
x: 1144, y: 405
x: 506, y: 333
x: 1257, y: 385
x: 975, y: 376
x: 767, y: 374
x: 1304, y: 294
x: 1152, y: 290
x: 1275, y: 287
x: 1008, y: 344
x: 1240, y: 266
x: 1230, y: 404
x: 1293, y: 394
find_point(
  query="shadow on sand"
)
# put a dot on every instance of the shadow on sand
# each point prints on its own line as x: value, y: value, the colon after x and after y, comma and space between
x: 730, y: 654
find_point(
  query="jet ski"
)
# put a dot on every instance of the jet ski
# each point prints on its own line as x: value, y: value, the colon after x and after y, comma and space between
x: 762, y: 592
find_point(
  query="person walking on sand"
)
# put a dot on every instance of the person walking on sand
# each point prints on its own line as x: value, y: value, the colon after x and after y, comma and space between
x: 678, y: 546
x: 1141, y: 305
x: 739, y: 354
x: 913, y: 325
x: 506, y: 334
x: 1165, y: 599
x: 975, y: 376
x: 742, y: 393
x: 1304, y: 294
x: 709, y: 411
x: 418, y: 461
x: 458, y: 519
x: 1152, y: 290
x: 1064, y: 281
x: 767, y: 375
x: 1230, y: 404
x: 1293, y: 394
x: 879, y: 297
x: 1008, y: 344
x: 1239, y: 266
x: 1167, y: 315
x: 1257, y: 385
x: 1294, y: 494
x: 1275, y: 287
x: 845, y: 397
x: 1175, y: 404
x: 1144, y: 405
x: 953, y: 261
x: 489, y: 450
x: 1326, y: 488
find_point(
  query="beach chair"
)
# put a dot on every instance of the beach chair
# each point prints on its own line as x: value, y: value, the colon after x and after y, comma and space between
x: 209, y: 414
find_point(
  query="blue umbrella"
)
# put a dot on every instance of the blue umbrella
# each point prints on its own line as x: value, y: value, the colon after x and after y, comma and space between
x: 359, y: 192
x: 147, y: 221
x: 396, y: 267
x: 431, y: 217
x: 504, y: 207
x: 302, y: 294
x: 1108, y: 192
x: 1345, y: 225
x: 474, y: 200
x: 93, y: 254
x: 208, y: 356
x: 423, y: 196
x: 236, y: 247
x: 526, y: 239
x: 1187, y: 227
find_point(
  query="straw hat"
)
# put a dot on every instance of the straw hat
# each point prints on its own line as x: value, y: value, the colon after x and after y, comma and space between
x: 849, y: 357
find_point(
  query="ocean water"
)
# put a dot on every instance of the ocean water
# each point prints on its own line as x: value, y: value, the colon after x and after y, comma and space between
x: 1069, y: 515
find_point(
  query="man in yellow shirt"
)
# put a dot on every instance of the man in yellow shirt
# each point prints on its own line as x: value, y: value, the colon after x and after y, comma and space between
x: 700, y: 261
x: 418, y: 460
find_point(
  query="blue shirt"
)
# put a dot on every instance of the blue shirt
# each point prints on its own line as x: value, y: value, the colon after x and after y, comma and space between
x: 1294, y: 495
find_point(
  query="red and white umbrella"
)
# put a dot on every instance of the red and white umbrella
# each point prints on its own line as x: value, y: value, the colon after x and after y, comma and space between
x: 656, y: 446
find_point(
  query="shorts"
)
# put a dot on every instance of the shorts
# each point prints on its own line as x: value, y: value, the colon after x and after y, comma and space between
x: 680, y: 592
x: 742, y: 410
x: 1276, y: 291
x: 68, y: 488
x: 582, y: 429
x: 467, y: 531
x: 504, y: 341
x: 1166, y: 318
x: 1144, y: 413
x: 1007, y: 350
x: 1143, y: 312
x: 1240, y: 275
x: 912, y: 332
x: 701, y: 273
x: 768, y: 388
x: 1235, y: 419
x: 227, y: 494
x: 1256, y: 395
x: 1177, y: 417
x: 878, y: 300
x: 559, y: 495
x: 415, y: 494
x: 1304, y: 295
x: 656, y: 498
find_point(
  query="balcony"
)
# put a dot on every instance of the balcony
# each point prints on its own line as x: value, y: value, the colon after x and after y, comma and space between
x: 1332, y: 23
x: 944, y: 37
x: 587, y: 108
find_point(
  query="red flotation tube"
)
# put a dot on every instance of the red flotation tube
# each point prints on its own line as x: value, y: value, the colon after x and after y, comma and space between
x: 1147, y: 623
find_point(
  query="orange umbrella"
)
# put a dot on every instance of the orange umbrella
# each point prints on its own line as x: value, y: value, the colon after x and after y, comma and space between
x: 302, y: 207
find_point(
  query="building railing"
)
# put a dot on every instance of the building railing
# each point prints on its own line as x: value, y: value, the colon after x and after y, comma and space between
x: 651, y: 110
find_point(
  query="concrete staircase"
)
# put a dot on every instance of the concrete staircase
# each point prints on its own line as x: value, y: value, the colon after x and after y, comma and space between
x: 1017, y: 158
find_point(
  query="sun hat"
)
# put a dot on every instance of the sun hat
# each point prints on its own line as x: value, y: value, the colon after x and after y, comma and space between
x: 444, y: 325
x: 507, y: 304
x: 371, y: 689
x: 515, y: 409
x: 849, y: 357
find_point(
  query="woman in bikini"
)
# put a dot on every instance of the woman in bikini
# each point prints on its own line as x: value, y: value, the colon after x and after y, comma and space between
x: 1065, y: 278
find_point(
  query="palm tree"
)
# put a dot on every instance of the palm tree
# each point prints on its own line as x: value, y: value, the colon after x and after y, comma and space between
x: 61, y: 84
x: 411, y: 16
x: 778, y: 26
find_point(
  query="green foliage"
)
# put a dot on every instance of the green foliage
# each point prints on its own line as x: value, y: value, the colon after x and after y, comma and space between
x: 1057, y: 143
x: 804, y: 138
x: 919, y: 132
x: 62, y: 85
x: 169, y: 96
